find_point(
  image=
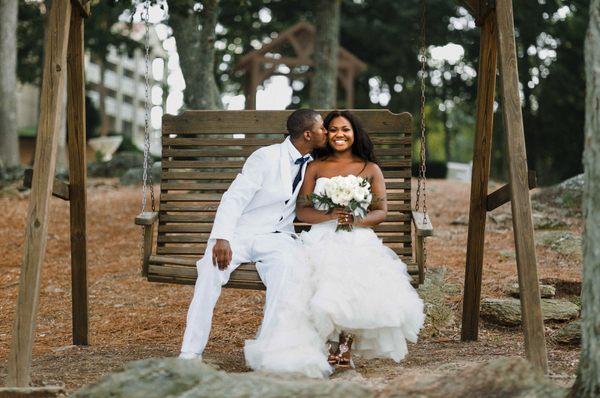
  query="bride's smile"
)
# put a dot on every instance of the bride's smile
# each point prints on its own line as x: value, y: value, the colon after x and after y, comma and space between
x: 341, y: 135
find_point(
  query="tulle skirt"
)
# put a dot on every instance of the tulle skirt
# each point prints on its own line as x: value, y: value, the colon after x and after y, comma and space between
x: 347, y: 281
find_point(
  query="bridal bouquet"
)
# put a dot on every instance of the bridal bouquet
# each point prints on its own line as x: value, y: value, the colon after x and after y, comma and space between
x: 351, y: 193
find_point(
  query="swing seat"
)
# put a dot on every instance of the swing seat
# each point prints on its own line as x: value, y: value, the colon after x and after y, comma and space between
x: 203, y: 151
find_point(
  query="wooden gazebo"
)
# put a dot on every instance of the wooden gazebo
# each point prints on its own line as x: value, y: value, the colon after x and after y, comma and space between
x: 299, y: 41
x: 64, y: 54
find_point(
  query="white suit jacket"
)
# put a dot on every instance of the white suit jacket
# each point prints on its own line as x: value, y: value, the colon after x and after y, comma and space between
x: 256, y: 200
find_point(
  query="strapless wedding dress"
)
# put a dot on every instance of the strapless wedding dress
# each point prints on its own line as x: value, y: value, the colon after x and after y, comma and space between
x: 347, y: 281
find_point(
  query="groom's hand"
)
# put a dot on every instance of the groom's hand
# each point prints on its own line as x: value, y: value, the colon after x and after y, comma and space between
x: 221, y: 254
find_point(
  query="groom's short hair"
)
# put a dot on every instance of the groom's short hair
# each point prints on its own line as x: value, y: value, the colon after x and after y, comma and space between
x: 301, y: 120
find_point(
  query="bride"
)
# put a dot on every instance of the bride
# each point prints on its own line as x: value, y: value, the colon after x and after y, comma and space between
x: 351, y: 289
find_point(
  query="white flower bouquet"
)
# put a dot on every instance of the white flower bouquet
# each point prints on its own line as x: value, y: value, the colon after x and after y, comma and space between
x: 351, y: 193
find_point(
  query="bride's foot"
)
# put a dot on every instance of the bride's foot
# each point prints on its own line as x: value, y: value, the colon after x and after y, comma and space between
x: 343, y: 356
x: 333, y: 348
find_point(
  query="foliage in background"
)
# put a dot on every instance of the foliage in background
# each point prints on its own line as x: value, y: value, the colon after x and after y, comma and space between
x: 385, y: 35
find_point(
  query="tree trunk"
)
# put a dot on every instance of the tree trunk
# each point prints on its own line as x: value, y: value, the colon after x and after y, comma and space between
x: 196, y: 51
x: 323, y: 87
x: 588, y: 374
x: 9, y: 140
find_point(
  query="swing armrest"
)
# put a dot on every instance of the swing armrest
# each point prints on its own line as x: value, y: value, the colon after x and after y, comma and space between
x: 146, y: 218
x: 423, y: 227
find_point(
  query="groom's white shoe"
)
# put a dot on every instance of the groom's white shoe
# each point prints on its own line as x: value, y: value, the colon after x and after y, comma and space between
x: 190, y: 355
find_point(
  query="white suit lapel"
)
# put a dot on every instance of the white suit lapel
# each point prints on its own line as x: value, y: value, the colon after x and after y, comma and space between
x: 286, y: 172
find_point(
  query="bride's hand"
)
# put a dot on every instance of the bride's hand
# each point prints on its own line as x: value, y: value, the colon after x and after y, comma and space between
x: 342, y: 216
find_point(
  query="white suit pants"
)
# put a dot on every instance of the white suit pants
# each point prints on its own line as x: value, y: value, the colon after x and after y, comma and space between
x: 274, y: 255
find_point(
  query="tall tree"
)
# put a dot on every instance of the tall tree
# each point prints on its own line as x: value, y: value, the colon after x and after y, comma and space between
x: 323, y: 85
x: 194, y: 32
x: 9, y: 140
x: 588, y: 374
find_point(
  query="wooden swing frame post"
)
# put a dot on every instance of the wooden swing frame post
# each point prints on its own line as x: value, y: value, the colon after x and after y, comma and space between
x: 498, y: 44
x: 64, y: 48
x: 64, y: 60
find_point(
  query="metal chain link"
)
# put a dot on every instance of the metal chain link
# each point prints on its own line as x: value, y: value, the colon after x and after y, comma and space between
x: 422, y: 179
x: 147, y: 182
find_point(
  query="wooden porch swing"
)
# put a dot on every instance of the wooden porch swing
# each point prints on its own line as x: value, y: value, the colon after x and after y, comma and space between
x: 201, y: 156
x: 203, y: 151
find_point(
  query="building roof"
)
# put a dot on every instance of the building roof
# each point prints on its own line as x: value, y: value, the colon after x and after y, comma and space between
x: 301, y: 38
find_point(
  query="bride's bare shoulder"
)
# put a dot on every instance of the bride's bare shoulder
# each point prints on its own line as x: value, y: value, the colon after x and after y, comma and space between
x: 316, y: 165
x: 373, y: 170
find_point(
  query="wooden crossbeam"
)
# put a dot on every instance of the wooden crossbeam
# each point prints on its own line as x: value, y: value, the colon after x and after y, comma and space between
x: 84, y: 7
x: 502, y: 195
x: 479, y: 9
x: 60, y: 189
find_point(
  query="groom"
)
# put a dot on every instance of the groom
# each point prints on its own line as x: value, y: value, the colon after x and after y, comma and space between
x: 254, y: 223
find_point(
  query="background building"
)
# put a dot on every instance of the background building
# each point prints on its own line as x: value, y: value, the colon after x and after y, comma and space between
x: 124, y: 95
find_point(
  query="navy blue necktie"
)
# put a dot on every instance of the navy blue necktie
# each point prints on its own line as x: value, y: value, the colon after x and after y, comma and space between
x: 298, y: 177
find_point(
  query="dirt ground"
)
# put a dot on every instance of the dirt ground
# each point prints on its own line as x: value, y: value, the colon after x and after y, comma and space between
x: 132, y: 319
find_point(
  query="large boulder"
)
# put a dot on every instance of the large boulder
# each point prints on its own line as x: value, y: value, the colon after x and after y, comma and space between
x: 569, y: 334
x: 438, y: 311
x: 506, y: 377
x: 135, y: 176
x: 567, y: 194
x: 564, y: 242
x: 507, y: 312
x: 171, y: 377
x: 117, y: 166
x: 546, y: 291
x: 10, y: 174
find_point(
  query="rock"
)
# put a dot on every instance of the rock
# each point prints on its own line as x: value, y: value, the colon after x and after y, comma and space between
x: 438, y: 312
x: 10, y: 174
x: 563, y: 242
x: 548, y: 221
x: 117, y: 166
x: 506, y: 377
x: 463, y: 219
x: 565, y: 194
x: 541, y: 220
x: 507, y: 254
x: 33, y: 392
x: 172, y: 377
x: 507, y: 312
x: 569, y: 334
x: 501, y: 219
x: 546, y: 291
x: 135, y: 176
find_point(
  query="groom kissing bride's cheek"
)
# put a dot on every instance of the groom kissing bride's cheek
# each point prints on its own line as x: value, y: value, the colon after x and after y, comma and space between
x: 328, y: 288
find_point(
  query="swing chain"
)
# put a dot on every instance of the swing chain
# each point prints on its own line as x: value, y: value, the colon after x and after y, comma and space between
x: 422, y: 179
x: 147, y: 182
x: 147, y: 172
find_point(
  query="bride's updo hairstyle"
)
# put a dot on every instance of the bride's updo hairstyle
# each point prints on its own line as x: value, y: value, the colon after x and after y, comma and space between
x: 362, y: 145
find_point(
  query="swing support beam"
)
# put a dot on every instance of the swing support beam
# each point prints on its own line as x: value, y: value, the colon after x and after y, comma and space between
x: 64, y: 60
x: 497, y: 43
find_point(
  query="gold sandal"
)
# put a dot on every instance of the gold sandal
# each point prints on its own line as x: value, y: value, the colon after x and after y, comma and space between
x: 343, y: 356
